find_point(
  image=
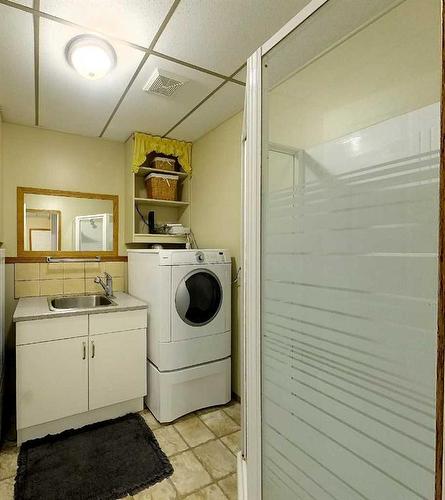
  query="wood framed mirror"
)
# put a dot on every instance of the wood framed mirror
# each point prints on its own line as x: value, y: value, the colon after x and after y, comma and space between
x: 66, y: 223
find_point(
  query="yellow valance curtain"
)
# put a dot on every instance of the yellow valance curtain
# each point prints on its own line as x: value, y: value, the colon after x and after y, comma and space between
x: 145, y: 144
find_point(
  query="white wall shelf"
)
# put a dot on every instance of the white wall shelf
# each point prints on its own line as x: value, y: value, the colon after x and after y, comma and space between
x: 158, y: 238
x: 162, y: 203
x: 165, y: 211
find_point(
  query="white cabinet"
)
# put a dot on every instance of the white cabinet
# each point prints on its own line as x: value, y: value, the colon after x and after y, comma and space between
x: 67, y: 370
x: 118, y: 322
x: 52, y: 380
x: 117, y: 367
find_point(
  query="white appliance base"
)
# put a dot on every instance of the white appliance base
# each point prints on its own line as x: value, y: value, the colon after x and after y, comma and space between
x: 79, y: 420
x: 174, y: 394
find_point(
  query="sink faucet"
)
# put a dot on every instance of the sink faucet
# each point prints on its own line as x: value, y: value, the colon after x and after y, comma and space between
x: 107, y: 285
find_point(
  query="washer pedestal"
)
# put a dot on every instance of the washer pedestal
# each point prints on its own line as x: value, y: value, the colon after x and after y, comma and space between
x: 185, y: 390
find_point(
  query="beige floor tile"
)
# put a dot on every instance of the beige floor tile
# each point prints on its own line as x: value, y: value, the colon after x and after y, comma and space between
x: 194, y: 431
x: 189, y: 475
x: 8, y: 462
x: 219, y: 423
x: 170, y: 440
x: 7, y: 489
x: 160, y: 491
x: 230, y: 486
x: 212, y: 492
x: 233, y: 442
x: 209, y: 410
x: 150, y: 419
x: 184, y: 417
x: 234, y: 411
x: 216, y: 458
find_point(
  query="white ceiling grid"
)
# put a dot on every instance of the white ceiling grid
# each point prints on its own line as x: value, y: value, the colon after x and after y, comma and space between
x: 206, y: 42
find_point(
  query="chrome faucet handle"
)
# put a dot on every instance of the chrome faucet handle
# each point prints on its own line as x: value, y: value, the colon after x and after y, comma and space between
x: 107, y: 285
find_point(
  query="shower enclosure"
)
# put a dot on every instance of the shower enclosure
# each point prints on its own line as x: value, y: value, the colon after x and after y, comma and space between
x: 93, y: 232
x: 342, y: 149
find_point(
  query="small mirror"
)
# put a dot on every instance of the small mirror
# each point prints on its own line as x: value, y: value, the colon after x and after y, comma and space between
x: 63, y: 222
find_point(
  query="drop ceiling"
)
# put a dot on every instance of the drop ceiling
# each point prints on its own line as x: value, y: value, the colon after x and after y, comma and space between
x: 205, y: 42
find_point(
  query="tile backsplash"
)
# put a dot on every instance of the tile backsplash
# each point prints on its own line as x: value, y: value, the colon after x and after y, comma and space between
x: 34, y: 279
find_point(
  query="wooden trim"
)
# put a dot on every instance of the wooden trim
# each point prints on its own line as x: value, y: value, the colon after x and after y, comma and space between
x: 34, y: 260
x: 441, y: 290
x: 21, y: 252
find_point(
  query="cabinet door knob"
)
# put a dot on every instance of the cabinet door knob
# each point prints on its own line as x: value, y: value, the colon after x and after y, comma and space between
x: 84, y: 350
x: 93, y: 349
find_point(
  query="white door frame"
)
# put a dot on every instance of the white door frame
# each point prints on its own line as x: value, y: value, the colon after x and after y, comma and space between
x: 249, y: 462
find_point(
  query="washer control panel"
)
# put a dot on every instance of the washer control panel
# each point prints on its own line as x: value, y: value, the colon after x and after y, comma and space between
x: 200, y: 257
x: 194, y: 257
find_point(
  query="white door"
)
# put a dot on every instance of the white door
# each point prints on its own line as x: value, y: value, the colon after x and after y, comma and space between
x: 52, y: 380
x: 117, y: 367
x: 200, y: 301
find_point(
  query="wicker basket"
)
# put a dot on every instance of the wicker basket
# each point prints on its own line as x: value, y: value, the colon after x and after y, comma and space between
x: 161, y: 163
x: 162, y: 186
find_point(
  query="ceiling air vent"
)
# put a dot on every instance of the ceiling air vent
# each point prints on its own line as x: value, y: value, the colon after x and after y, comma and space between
x: 163, y: 83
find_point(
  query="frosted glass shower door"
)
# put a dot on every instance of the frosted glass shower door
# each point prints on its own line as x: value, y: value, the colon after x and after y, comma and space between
x: 349, y: 254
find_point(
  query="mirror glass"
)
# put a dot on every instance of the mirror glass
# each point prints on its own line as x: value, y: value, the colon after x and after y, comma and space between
x: 66, y: 223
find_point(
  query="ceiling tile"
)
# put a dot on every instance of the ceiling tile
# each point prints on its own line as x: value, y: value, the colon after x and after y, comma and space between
x: 136, y: 21
x: 222, y: 35
x: 26, y: 3
x: 155, y: 114
x: 16, y: 66
x: 241, y: 75
x: 226, y: 102
x: 69, y: 102
x: 332, y: 23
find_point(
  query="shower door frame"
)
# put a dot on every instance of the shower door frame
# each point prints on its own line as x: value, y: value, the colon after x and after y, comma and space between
x: 250, y: 463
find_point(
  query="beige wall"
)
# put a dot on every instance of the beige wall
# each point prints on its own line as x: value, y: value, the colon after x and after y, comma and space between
x: 41, y: 158
x: 216, y: 208
x: 1, y: 181
x: 381, y: 72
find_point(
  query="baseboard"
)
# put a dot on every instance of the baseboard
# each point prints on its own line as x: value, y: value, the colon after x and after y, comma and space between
x: 80, y: 420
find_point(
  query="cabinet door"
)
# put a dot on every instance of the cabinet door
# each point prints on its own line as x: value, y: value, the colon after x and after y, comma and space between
x: 52, y: 380
x: 117, y: 367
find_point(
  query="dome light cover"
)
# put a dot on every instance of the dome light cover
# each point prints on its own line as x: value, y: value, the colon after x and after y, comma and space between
x: 92, y: 57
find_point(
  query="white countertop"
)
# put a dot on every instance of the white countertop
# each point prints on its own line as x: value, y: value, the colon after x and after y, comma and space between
x: 31, y: 308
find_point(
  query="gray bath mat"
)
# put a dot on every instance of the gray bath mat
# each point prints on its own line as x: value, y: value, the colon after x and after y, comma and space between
x: 102, y: 461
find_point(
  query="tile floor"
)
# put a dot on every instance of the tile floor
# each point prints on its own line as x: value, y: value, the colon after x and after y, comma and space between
x: 202, y: 448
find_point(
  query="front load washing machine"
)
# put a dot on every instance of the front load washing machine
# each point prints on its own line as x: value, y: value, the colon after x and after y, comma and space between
x: 188, y: 293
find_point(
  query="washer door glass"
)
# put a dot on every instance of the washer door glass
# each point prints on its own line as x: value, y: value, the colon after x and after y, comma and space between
x: 198, y: 297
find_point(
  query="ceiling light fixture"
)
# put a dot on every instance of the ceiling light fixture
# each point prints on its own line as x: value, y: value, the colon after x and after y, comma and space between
x: 91, y: 56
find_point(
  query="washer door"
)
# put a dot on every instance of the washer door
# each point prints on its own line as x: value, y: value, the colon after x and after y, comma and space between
x: 198, y: 297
